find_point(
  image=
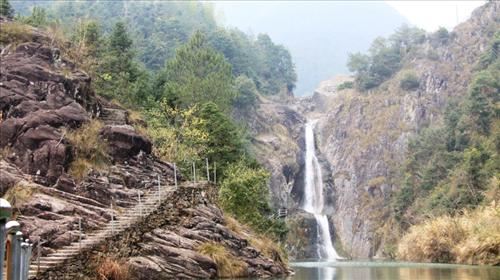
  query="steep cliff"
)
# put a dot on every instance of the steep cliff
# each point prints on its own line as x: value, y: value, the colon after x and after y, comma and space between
x: 363, y: 136
x: 68, y: 155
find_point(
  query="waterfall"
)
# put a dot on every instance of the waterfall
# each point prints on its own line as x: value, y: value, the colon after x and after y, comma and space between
x: 313, y: 196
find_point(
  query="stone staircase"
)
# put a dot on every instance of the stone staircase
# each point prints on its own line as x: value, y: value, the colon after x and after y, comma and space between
x: 120, y: 223
x: 113, y: 116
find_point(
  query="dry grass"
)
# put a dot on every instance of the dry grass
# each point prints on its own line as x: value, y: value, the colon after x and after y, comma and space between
x: 5, y: 152
x: 227, y: 265
x: 137, y: 120
x: 15, y: 33
x: 234, y: 225
x: 111, y: 269
x: 267, y: 246
x: 90, y: 149
x: 20, y: 193
x: 377, y: 181
x: 471, y: 238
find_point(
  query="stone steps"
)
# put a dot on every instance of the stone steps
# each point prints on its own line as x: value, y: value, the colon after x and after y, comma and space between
x: 120, y: 223
x: 113, y: 116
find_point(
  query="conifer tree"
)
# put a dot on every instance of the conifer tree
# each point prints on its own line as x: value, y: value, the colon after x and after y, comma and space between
x: 198, y: 74
x: 6, y: 9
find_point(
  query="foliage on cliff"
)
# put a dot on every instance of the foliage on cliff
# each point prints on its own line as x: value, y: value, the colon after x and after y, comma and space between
x: 187, y: 104
x: 456, y: 165
x: 385, y: 57
x: 159, y: 28
x: 244, y: 194
x: 452, y: 168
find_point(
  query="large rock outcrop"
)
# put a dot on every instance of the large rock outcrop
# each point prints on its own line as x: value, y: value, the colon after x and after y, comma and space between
x: 166, y: 244
x: 41, y: 94
x: 43, y: 99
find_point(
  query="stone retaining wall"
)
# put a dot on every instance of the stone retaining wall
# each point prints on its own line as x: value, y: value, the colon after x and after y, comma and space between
x: 126, y: 244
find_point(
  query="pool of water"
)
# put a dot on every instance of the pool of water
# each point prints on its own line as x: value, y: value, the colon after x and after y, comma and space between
x: 354, y: 270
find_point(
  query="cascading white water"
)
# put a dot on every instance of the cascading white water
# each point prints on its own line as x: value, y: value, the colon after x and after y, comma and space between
x: 313, y: 196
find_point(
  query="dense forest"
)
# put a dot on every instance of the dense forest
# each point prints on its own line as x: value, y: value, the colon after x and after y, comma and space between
x: 173, y: 66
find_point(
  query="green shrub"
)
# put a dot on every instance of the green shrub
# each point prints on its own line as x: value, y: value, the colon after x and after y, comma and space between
x: 345, y: 85
x: 409, y: 81
x: 14, y: 32
x: 442, y: 35
x: 245, y: 195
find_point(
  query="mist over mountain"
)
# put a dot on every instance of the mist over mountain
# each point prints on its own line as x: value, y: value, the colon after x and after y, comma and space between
x: 319, y: 35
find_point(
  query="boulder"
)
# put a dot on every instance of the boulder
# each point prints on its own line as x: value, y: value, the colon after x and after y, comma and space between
x: 40, y: 94
x: 124, y: 142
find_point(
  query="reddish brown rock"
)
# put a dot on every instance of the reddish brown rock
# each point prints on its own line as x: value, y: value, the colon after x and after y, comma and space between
x: 37, y: 100
x: 124, y: 142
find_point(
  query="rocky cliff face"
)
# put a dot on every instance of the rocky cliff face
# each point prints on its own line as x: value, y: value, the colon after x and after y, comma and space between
x: 362, y: 136
x: 166, y: 244
x: 43, y: 98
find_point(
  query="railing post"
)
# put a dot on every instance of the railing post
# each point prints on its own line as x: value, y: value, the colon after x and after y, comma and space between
x: 17, y: 255
x: 208, y: 171
x: 175, y: 175
x: 2, y: 246
x: 5, y: 214
x: 80, y: 231
x: 194, y: 172
x: 22, y: 253
x: 25, y: 259
x: 28, y: 248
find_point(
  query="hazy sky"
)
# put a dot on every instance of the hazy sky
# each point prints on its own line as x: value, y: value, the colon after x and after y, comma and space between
x: 321, y: 34
x: 430, y: 15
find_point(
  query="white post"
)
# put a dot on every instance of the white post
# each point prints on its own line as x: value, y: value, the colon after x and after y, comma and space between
x: 175, y: 175
x: 208, y: 171
x: 3, y: 233
x: 194, y: 172
x: 27, y: 257
x: 17, y: 256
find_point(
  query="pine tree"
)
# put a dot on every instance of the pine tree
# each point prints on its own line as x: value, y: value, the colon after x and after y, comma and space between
x: 120, y: 75
x: 6, y: 9
x: 120, y: 40
x: 198, y: 74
